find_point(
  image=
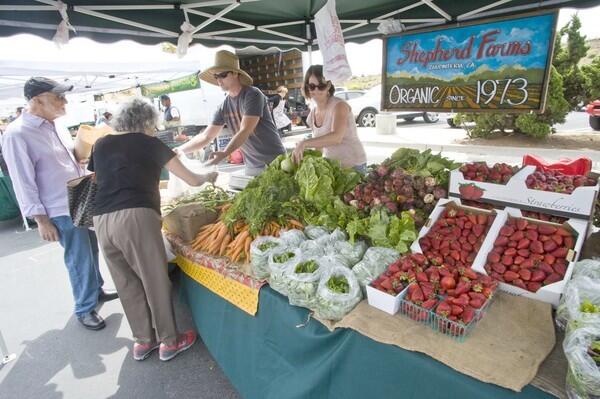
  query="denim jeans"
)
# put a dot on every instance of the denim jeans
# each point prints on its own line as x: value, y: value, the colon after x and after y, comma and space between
x: 81, y: 259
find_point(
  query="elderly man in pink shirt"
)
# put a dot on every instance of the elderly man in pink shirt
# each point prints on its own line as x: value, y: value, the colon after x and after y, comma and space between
x: 40, y: 159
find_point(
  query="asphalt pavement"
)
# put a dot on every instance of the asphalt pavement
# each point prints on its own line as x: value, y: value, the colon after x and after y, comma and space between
x: 58, y: 359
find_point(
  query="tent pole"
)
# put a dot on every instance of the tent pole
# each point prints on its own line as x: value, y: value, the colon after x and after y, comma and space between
x: 309, y: 38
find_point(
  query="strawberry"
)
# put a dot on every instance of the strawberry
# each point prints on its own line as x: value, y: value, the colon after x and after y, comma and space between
x: 482, y: 219
x: 507, y: 260
x: 462, y: 287
x: 527, y: 264
x: 468, y: 273
x: 472, y: 239
x: 563, y: 232
x: 524, y: 252
x: 553, y: 278
x: 429, y: 304
x: 560, y: 252
x: 510, y: 276
x: 420, y: 259
x: 478, y: 230
x: 501, y: 241
x: 560, y: 269
x: 506, y: 231
x: 557, y: 239
x: 549, y: 259
x: 532, y: 234
x: 546, y: 268
x: 476, y: 303
x: 569, y: 242
x: 550, y: 246
x: 456, y: 310
x: 460, y: 301
x: 444, y: 309
x: 387, y: 284
x: 525, y: 274
x: 422, y: 277
x: 533, y: 286
x: 519, y: 283
x: 498, y: 268
x: 467, y: 315
x: 518, y: 235
x: 518, y: 260
x: 510, y: 252
x: 493, y: 257
x: 536, y: 247
x: 521, y: 224
x: 543, y: 238
x: 512, y: 244
x: 523, y: 243
x: 417, y: 295
x: 547, y: 229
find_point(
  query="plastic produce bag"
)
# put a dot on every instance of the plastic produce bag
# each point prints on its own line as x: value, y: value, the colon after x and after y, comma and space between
x: 293, y: 238
x: 352, y: 252
x: 302, y: 282
x: 338, y: 235
x: 312, y: 248
x: 338, y: 293
x: 581, y: 346
x: 260, y: 249
x: 580, y: 304
x: 333, y: 259
x: 314, y: 232
x: 374, y: 262
x: 587, y: 267
x: 279, y: 261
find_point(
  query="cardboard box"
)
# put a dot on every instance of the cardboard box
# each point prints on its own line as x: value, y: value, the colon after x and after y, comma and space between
x: 486, y: 246
x: 550, y: 293
x: 383, y: 301
x: 578, y: 204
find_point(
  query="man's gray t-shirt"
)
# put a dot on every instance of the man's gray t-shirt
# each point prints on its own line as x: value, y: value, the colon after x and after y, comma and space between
x: 264, y: 144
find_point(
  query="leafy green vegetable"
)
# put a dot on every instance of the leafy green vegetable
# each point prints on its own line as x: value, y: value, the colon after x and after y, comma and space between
x: 267, y: 245
x: 210, y: 197
x: 309, y: 266
x: 423, y: 164
x: 284, y: 257
x: 588, y: 307
x: 338, y: 284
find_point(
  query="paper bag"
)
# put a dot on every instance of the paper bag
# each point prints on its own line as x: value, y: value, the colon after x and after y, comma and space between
x: 186, y: 220
x: 86, y: 137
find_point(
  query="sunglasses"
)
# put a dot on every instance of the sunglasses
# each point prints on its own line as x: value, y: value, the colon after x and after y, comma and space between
x: 313, y: 87
x: 221, y: 75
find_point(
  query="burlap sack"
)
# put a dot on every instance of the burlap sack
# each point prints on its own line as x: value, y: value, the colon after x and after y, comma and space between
x: 87, y: 137
x: 186, y: 220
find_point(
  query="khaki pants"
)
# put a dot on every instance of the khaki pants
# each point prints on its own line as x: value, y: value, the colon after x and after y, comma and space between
x: 132, y: 244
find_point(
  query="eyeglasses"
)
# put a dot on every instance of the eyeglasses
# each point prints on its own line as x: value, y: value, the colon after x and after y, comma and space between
x: 313, y: 87
x: 221, y: 75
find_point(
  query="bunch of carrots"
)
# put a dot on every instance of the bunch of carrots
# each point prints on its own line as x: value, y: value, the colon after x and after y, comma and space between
x: 218, y: 240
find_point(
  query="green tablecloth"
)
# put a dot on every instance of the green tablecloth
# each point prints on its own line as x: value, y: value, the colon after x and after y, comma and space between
x: 268, y: 357
x: 9, y: 208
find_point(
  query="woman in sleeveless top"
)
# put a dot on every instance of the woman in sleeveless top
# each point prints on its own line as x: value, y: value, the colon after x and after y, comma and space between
x: 332, y: 123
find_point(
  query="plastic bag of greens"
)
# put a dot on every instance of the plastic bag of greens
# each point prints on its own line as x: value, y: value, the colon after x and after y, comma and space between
x: 312, y: 248
x: 587, y: 267
x: 338, y: 293
x: 352, y: 252
x: 334, y: 259
x: 293, y: 238
x: 260, y: 249
x: 338, y: 235
x: 314, y: 232
x: 582, y: 349
x: 580, y: 304
x: 302, y: 280
x: 374, y: 262
x: 279, y: 260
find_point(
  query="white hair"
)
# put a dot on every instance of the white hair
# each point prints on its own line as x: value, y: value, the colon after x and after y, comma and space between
x: 136, y: 115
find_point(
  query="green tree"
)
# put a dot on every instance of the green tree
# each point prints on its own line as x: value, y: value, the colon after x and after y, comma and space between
x: 592, y: 82
x: 566, y: 60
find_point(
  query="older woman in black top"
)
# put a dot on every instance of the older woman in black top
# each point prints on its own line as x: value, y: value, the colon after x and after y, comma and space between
x: 128, y: 224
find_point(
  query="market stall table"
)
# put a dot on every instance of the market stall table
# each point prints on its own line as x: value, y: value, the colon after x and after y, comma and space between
x: 275, y: 355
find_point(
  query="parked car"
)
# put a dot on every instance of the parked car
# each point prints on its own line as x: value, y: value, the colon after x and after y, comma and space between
x: 298, y: 110
x: 366, y: 107
x: 593, y: 109
x: 350, y: 94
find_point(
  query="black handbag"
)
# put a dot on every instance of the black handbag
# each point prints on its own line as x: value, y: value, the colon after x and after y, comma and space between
x: 82, y: 199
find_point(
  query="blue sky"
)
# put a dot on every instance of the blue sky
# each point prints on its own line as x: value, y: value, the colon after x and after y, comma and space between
x: 537, y: 29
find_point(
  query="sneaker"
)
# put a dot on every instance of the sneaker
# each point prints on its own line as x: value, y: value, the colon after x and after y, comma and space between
x: 184, y: 341
x: 142, y: 351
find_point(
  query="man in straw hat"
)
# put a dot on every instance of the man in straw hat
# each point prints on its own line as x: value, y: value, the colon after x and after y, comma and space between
x: 40, y: 157
x: 245, y: 111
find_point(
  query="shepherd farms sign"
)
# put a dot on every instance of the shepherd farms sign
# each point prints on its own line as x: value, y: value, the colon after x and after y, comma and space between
x: 502, y: 64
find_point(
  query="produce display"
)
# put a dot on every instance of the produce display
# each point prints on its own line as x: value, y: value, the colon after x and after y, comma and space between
x: 456, y: 237
x: 500, y: 173
x: 530, y: 255
x: 544, y: 217
x: 211, y: 197
x: 551, y: 180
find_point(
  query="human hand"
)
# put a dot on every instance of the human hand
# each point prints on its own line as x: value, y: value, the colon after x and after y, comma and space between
x: 178, y: 151
x: 216, y: 157
x: 298, y: 152
x: 83, y: 163
x: 47, y: 229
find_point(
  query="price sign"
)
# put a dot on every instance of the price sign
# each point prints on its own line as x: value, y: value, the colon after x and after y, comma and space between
x: 494, y: 65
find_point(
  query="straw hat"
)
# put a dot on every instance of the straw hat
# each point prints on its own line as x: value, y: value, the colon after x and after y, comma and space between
x: 225, y: 61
